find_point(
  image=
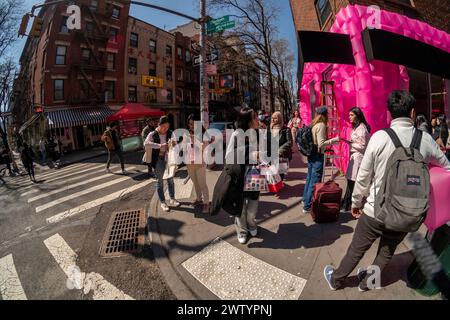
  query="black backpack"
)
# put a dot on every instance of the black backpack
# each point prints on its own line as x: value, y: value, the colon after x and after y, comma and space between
x: 305, y: 142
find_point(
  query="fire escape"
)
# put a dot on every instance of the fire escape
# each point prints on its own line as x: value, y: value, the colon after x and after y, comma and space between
x: 96, y: 64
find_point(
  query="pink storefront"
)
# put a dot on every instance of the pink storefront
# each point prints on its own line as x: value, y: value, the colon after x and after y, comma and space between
x: 388, y: 52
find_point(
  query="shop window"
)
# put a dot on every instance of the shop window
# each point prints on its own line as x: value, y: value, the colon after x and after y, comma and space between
x: 180, y: 95
x: 89, y: 27
x: 151, y: 95
x: 323, y: 9
x: 58, y: 89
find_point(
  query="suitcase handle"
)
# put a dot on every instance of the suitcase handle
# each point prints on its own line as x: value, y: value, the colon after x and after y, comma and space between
x: 324, y: 165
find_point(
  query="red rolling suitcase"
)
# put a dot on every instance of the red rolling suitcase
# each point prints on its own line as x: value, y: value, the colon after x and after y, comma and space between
x: 326, y: 203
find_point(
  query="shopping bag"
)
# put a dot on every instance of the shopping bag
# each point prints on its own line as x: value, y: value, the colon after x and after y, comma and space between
x: 171, y: 165
x: 254, y: 180
x: 273, y: 178
x: 283, y: 166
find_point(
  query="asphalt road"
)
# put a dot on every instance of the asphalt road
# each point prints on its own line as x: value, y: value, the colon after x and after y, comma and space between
x: 51, y: 232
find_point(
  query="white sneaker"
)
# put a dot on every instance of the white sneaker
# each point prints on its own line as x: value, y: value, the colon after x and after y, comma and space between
x: 165, y: 207
x: 174, y: 203
x: 254, y: 233
x: 242, y: 238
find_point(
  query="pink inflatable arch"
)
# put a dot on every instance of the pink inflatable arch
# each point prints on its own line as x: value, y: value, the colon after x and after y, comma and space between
x: 366, y: 85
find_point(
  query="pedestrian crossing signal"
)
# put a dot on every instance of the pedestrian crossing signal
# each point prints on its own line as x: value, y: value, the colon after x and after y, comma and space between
x: 36, y: 28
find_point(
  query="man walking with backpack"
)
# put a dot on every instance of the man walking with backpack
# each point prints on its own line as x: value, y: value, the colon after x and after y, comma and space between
x: 394, y: 182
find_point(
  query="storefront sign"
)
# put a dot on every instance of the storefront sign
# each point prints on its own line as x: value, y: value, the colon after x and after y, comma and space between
x: 153, y: 82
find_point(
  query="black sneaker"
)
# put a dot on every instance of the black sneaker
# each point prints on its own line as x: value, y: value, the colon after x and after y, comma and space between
x: 361, y: 274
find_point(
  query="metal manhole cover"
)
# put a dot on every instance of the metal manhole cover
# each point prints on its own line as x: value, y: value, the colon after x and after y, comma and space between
x: 125, y: 233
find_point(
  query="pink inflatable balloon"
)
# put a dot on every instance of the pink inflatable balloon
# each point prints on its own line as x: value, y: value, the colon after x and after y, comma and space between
x: 439, y: 213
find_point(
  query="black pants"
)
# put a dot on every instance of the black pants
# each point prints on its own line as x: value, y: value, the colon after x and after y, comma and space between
x: 119, y: 154
x: 30, y: 169
x: 347, y: 201
x: 367, y: 231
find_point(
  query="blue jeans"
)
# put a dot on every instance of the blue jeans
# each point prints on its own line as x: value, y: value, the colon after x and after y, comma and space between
x: 159, y: 172
x: 315, y: 172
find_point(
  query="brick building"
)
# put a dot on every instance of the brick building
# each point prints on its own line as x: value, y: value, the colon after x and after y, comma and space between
x: 421, y: 25
x: 71, y: 80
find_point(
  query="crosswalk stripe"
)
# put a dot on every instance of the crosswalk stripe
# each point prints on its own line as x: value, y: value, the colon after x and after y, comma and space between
x: 65, y: 188
x: 83, y: 192
x: 72, y: 172
x: 58, y: 171
x: 53, y: 173
x: 65, y: 181
x: 67, y: 258
x: 10, y: 285
x: 97, y: 202
x: 68, y: 174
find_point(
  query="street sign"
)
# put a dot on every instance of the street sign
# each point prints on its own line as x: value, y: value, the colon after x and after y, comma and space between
x: 210, y: 57
x: 220, y: 25
x: 152, y: 82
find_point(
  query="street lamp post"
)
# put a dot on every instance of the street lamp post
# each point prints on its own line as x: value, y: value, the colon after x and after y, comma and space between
x: 204, y: 83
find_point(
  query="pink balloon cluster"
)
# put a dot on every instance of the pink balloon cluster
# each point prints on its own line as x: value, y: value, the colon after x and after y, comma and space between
x: 367, y: 84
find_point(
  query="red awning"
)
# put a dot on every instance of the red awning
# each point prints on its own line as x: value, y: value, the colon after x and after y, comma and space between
x: 133, y: 111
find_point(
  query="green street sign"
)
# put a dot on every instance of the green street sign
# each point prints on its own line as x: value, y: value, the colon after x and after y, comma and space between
x: 222, y: 27
x: 216, y: 22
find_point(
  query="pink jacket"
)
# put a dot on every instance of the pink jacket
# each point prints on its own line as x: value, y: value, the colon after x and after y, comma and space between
x: 359, y: 139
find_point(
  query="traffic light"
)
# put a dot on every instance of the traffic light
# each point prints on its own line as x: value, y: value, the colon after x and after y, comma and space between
x: 36, y: 28
x: 24, y: 25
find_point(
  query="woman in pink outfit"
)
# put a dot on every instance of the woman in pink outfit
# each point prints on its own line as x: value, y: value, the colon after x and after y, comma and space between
x: 359, y: 139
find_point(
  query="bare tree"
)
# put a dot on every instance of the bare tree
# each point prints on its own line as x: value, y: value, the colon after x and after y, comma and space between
x: 255, y: 27
x: 284, y: 64
x: 10, y: 14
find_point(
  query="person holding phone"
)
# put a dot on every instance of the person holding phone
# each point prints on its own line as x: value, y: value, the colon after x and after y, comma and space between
x: 359, y: 139
x: 159, y: 141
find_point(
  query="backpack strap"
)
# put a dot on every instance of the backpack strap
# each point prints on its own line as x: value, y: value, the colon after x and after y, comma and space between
x: 417, y: 139
x: 394, y: 137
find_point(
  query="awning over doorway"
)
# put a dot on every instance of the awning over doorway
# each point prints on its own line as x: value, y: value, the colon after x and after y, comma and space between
x: 391, y: 47
x: 134, y: 111
x: 29, y: 122
x: 74, y: 117
x: 323, y: 47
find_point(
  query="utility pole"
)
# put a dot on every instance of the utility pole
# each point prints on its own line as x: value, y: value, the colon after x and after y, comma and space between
x: 204, y: 83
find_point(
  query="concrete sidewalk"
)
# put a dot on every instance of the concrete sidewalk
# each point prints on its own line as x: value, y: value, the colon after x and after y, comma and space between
x: 286, y: 258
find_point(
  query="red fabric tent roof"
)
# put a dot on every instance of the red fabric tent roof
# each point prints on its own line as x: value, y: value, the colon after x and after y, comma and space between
x: 133, y: 111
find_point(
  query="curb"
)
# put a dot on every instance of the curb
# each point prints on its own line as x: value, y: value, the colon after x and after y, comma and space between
x: 170, y: 274
x: 83, y: 159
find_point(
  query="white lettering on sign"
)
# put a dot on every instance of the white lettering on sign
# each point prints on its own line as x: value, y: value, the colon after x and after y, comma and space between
x: 74, y: 20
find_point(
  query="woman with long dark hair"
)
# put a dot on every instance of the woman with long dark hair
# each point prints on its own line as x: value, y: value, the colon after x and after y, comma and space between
x: 246, y: 221
x: 359, y: 139
x: 319, y: 130
x: 440, y: 134
x: 422, y: 123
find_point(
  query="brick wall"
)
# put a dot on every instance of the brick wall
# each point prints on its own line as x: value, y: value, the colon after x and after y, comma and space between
x: 433, y: 12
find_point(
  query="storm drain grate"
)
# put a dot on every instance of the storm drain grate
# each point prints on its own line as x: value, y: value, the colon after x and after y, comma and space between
x: 125, y: 233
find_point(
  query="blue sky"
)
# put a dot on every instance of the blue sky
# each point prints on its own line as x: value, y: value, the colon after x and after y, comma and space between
x: 190, y: 7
